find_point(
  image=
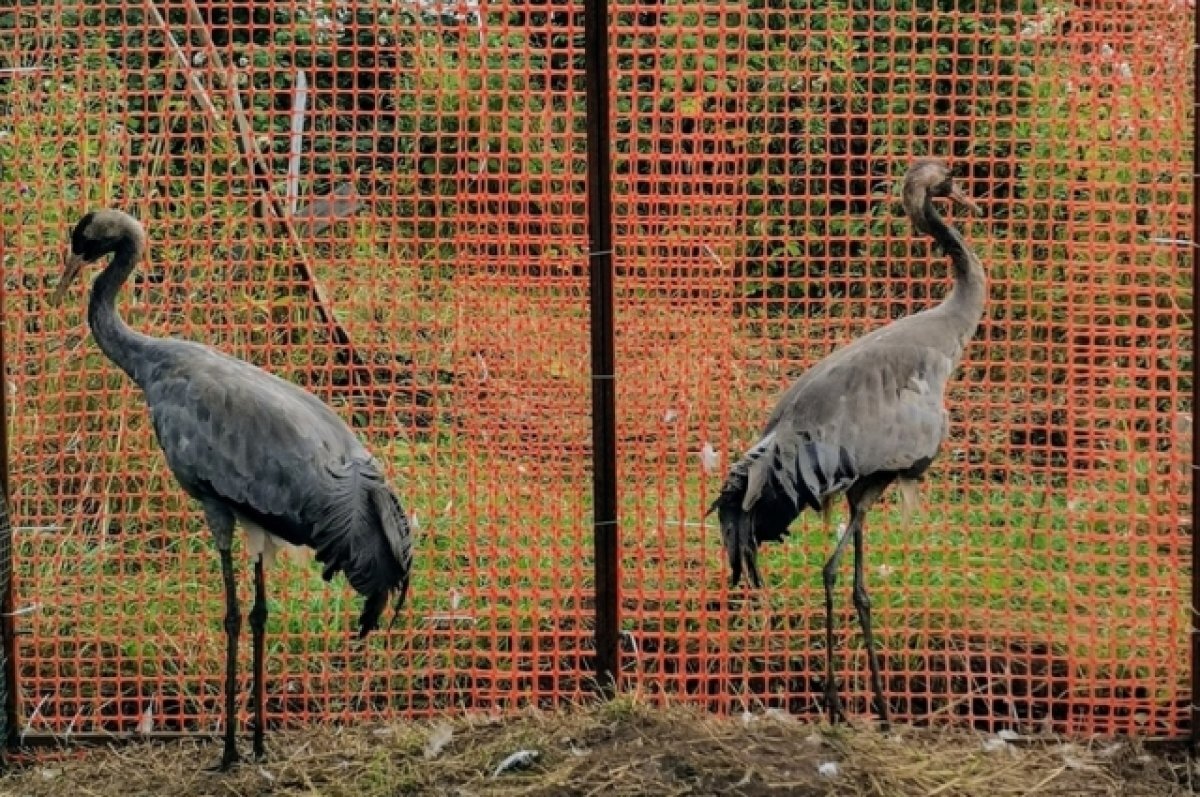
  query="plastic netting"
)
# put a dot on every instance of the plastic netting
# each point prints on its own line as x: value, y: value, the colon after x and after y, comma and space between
x: 386, y: 203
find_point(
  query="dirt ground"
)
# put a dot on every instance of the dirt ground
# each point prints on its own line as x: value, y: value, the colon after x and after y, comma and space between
x: 622, y: 748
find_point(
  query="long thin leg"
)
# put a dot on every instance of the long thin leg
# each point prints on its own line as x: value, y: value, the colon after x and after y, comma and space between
x: 862, y: 603
x: 220, y: 523
x: 233, y: 625
x: 829, y: 576
x: 258, y: 625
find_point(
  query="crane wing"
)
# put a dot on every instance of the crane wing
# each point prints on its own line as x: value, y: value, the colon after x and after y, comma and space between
x: 863, y: 410
x: 283, y: 460
x: 235, y: 432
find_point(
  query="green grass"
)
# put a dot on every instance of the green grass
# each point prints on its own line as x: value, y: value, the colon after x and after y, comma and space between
x: 999, y: 561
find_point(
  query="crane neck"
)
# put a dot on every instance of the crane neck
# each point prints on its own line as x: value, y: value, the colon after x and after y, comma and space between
x: 970, y: 281
x: 116, y: 339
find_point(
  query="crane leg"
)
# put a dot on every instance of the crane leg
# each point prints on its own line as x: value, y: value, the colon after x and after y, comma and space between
x: 862, y: 604
x: 233, y: 625
x: 829, y: 576
x: 258, y: 625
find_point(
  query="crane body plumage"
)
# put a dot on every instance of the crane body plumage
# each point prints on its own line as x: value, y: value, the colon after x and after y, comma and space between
x: 817, y: 441
x: 250, y: 448
x: 311, y: 484
x: 868, y: 415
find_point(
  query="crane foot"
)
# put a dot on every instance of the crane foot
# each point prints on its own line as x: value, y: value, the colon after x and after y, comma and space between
x: 228, y: 760
x: 833, y: 706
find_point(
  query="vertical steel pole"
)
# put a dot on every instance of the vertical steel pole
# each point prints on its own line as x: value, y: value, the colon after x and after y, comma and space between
x: 1195, y: 647
x: 604, y: 434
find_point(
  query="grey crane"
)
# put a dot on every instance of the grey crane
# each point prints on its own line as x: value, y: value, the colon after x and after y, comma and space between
x: 869, y: 414
x: 250, y: 448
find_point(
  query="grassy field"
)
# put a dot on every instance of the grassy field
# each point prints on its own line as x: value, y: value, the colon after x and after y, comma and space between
x: 499, y: 604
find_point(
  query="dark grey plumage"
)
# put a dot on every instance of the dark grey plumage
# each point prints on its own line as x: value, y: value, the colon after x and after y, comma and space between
x: 281, y: 461
x: 253, y: 448
x: 868, y: 415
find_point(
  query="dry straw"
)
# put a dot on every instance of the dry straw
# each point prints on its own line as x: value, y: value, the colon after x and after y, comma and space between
x: 622, y: 748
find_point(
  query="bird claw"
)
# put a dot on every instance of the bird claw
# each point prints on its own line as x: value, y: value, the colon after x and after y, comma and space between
x: 229, y: 759
x: 834, y: 708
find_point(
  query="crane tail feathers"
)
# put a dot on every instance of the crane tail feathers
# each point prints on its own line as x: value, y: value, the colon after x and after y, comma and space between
x: 364, y: 533
x: 396, y: 529
x: 775, y: 481
x: 372, y: 610
x: 737, y: 535
x: 398, y: 533
x: 374, y: 606
x: 744, y: 530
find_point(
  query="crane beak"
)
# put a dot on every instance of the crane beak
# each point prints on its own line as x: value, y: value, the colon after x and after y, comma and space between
x: 74, y: 265
x: 960, y: 197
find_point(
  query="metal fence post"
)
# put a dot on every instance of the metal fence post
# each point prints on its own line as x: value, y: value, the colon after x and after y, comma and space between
x: 604, y: 438
x: 1194, y: 714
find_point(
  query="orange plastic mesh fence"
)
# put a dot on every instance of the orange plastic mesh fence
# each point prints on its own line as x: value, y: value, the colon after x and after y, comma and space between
x: 386, y: 203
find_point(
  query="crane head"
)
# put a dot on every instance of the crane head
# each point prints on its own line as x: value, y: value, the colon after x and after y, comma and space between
x: 97, y: 234
x: 929, y: 178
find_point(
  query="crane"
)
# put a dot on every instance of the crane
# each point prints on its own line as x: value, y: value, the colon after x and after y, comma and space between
x: 868, y: 415
x: 252, y: 449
